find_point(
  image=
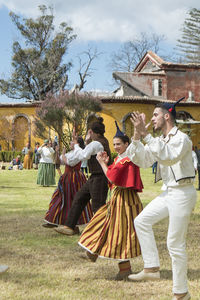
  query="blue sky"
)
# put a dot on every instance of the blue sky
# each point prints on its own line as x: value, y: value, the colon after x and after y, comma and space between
x: 103, y: 24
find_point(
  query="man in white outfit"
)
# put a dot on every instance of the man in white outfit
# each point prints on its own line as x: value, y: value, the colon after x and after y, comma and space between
x: 173, y: 152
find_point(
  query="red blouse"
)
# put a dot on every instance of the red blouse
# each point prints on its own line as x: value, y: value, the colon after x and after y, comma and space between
x: 125, y: 174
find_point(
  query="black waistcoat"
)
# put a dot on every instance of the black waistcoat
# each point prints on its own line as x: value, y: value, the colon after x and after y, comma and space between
x: 93, y: 164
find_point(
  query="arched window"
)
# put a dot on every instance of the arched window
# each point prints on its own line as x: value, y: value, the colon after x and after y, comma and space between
x: 183, y: 115
x: 184, y: 120
x: 127, y: 126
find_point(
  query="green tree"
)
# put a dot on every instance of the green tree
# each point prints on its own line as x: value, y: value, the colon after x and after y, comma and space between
x: 61, y: 113
x: 38, y: 67
x: 188, y: 45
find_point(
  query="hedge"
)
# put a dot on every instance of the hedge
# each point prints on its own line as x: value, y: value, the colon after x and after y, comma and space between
x: 8, y: 156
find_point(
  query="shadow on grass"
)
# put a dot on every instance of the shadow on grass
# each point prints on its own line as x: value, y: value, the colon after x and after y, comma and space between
x: 192, y: 274
x: 167, y: 275
x: 24, y: 276
x: 26, y: 188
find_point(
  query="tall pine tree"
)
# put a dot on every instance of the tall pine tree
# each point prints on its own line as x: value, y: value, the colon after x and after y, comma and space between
x: 189, y: 44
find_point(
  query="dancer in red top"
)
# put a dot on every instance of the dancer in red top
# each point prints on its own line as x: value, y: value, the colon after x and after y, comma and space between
x: 111, y: 231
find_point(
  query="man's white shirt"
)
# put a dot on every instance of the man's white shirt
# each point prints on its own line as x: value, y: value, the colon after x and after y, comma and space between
x: 173, y: 154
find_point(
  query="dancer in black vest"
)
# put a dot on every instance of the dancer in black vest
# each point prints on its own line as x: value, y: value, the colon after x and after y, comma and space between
x: 97, y: 185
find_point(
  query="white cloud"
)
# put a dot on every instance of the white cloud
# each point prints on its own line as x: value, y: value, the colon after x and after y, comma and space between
x: 114, y: 20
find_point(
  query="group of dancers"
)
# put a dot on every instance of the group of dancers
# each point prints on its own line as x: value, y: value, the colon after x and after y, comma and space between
x: 113, y: 191
x: 108, y: 202
x: 120, y: 228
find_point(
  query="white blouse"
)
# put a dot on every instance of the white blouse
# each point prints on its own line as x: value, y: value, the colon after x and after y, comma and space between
x: 71, y: 158
x: 84, y: 154
x: 47, y: 154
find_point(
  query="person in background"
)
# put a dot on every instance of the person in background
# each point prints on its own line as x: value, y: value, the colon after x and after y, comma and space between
x: 46, y: 168
x: 17, y: 164
x: 154, y: 166
x: 17, y: 160
x: 96, y: 187
x: 111, y: 232
x: 173, y: 152
x: 28, y: 158
x: 37, y: 155
x: 69, y: 184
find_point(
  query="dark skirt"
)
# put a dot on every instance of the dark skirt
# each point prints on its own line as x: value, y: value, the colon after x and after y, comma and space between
x: 69, y: 183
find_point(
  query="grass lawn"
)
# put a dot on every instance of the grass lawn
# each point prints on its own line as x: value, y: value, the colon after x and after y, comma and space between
x: 45, y: 265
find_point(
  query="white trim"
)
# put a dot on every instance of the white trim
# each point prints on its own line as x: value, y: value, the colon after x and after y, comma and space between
x: 188, y: 121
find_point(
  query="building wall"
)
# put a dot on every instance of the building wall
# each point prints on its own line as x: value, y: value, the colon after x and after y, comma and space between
x: 176, y: 82
x: 143, y: 82
x: 21, y: 117
x: 180, y: 83
x: 111, y: 112
x: 119, y: 112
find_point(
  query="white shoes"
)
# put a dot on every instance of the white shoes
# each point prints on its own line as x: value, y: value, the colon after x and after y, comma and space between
x: 3, y: 268
x: 186, y: 297
x: 142, y: 276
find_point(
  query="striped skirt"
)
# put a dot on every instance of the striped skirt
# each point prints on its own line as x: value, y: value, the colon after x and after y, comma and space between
x: 69, y: 183
x: 111, y: 232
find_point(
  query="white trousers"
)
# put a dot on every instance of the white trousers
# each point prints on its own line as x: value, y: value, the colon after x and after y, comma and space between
x: 176, y: 203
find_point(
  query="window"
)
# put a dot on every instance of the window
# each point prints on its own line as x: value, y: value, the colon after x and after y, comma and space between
x: 157, y: 87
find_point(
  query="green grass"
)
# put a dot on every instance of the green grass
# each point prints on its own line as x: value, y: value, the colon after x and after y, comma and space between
x: 47, y: 266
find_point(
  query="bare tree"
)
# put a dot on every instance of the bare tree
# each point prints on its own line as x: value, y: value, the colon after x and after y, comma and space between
x: 85, y: 70
x: 131, y: 52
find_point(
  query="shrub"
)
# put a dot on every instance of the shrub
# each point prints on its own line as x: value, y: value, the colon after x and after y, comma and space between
x: 7, y: 156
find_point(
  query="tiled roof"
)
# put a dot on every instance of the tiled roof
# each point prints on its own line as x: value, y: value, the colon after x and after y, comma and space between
x: 123, y: 76
x: 142, y: 100
x: 163, y: 64
x: 22, y: 104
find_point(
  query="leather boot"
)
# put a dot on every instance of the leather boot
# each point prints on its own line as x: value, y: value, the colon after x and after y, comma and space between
x: 124, y: 270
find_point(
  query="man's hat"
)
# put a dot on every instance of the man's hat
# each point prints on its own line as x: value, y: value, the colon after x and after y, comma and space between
x: 119, y: 132
x: 171, y: 106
